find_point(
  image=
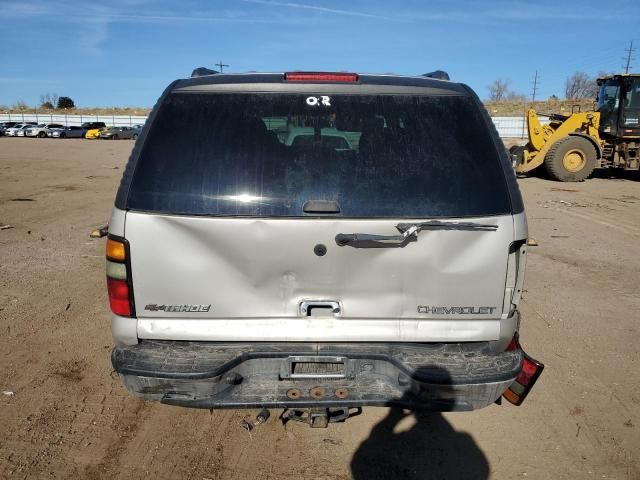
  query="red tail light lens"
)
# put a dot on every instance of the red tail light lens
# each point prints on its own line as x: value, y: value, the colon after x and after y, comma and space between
x: 119, y: 297
x: 531, y: 370
x: 513, y: 344
x: 119, y: 277
x: 320, y: 77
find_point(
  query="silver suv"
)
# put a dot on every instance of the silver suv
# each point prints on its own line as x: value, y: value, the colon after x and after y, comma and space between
x: 42, y: 130
x: 321, y: 276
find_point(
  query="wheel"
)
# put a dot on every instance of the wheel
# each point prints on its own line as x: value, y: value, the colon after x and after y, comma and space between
x: 115, y: 137
x: 135, y: 136
x: 571, y: 159
x: 62, y: 135
x: 42, y: 135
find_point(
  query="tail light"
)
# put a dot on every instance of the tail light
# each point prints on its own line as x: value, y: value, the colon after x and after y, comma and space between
x: 524, y: 382
x: 119, y: 284
x: 320, y: 77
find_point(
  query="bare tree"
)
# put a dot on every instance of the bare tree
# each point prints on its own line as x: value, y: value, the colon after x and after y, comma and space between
x: 48, y: 100
x: 21, y: 105
x: 45, y: 102
x: 512, y: 96
x: 498, y: 90
x: 580, y: 86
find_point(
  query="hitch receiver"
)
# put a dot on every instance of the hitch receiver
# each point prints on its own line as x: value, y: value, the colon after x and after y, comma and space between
x: 320, y: 417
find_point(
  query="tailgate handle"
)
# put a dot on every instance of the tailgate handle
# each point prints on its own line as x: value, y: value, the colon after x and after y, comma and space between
x: 307, y: 307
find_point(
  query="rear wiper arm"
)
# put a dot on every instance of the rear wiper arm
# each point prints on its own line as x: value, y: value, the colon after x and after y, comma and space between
x: 408, y: 233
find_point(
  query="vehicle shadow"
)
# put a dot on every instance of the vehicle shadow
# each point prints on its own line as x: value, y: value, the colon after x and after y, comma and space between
x: 615, y: 174
x: 430, y: 449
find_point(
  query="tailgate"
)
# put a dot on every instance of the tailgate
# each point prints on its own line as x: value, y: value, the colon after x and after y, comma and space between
x: 234, y: 268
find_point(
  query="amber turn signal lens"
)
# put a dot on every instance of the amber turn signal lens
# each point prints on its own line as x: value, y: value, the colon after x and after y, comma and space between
x: 115, y: 250
x: 512, y: 397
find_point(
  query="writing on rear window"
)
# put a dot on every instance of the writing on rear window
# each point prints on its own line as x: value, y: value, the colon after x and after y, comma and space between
x: 321, y: 100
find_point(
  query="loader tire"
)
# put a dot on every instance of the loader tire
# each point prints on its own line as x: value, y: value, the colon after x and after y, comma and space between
x: 571, y: 159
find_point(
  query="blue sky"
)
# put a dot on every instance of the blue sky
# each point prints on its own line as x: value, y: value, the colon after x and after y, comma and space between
x: 124, y: 52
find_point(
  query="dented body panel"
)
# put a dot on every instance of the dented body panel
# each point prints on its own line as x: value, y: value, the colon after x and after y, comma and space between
x: 255, y: 295
x: 247, y: 268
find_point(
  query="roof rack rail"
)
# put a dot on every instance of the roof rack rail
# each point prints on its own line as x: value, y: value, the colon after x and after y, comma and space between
x: 438, y: 74
x: 202, y: 71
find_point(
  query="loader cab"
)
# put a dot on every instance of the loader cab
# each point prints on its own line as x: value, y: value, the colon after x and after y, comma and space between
x: 619, y: 105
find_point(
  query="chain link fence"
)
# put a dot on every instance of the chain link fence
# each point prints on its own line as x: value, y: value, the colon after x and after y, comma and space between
x: 508, y: 127
x: 74, y: 120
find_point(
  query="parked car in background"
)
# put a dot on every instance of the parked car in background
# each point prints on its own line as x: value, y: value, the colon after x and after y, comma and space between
x: 22, y: 131
x: 94, y: 133
x: 137, y: 130
x: 66, y: 132
x: 41, y: 129
x: 92, y: 125
x: 13, y: 131
x: 92, y: 129
x: 117, y: 133
x: 5, y: 125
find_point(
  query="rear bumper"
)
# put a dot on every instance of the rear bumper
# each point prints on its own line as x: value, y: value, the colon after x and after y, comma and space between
x: 441, y: 377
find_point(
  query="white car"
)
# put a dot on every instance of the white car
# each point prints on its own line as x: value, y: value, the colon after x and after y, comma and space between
x: 18, y: 129
x: 41, y: 130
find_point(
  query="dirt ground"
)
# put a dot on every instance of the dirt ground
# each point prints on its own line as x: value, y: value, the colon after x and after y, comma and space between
x: 68, y: 417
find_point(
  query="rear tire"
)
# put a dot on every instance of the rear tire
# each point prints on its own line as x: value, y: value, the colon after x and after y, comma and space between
x: 571, y: 159
x: 62, y: 135
x: 42, y: 135
x: 115, y: 137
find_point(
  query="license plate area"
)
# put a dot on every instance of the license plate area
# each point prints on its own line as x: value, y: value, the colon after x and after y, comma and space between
x: 314, y: 367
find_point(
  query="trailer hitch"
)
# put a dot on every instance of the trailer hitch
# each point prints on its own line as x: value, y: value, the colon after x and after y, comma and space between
x: 320, y: 417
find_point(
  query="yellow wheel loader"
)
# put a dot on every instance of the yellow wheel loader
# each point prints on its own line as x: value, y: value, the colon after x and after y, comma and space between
x: 571, y: 146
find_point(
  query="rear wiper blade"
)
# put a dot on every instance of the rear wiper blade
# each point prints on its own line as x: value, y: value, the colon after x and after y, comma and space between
x: 438, y: 225
x: 408, y: 233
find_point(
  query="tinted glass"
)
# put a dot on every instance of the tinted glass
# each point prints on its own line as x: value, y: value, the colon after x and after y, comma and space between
x: 609, y: 102
x: 268, y: 154
x: 631, y: 116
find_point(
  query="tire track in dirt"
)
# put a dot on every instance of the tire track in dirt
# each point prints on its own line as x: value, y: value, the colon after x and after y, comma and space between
x: 621, y: 225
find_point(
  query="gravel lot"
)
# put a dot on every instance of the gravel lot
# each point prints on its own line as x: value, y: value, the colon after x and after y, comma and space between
x: 64, y: 415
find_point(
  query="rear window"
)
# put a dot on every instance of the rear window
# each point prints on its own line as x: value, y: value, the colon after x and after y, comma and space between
x: 268, y: 154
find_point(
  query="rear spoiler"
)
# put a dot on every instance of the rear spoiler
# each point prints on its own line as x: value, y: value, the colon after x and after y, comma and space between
x: 437, y: 74
x: 201, y: 72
